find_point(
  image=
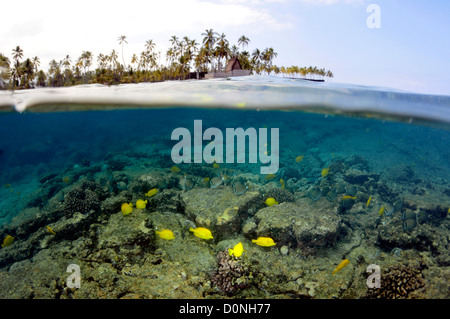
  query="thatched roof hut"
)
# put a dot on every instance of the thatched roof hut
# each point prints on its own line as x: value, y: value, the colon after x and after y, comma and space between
x: 233, y: 64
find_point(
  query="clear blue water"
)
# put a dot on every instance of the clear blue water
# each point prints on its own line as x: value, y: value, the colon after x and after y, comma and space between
x: 411, y: 159
x: 35, y: 144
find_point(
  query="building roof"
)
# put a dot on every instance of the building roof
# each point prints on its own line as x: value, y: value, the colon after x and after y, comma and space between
x: 233, y: 64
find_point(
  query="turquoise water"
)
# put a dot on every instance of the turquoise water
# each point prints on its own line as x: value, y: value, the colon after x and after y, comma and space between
x: 45, y: 155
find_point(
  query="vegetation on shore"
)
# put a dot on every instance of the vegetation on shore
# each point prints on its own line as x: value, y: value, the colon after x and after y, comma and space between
x: 184, y: 56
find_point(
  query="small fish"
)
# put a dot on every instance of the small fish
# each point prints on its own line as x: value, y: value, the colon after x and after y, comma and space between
x: 388, y: 209
x: 264, y: 241
x: 126, y: 208
x: 343, y: 263
x: 239, y: 188
x: 422, y: 217
x: 237, y: 250
x: 283, y: 185
x: 409, y: 224
x: 368, y: 201
x: 270, y: 201
x: 298, y: 159
x: 206, y: 179
x: 50, y: 230
x: 381, y: 211
x: 66, y: 179
x: 8, y: 241
x: 215, y: 165
x: 331, y: 195
x: 151, y: 192
x: 269, y: 177
x: 339, y: 188
x: 325, y: 172
x: 216, y: 182
x: 175, y: 169
x: 186, y: 183
x: 409, y: 215
x: 202, y: 232
x: 348, y: 197
x: 141, y: 203
x: 165, y: 234
x: 314, y: 193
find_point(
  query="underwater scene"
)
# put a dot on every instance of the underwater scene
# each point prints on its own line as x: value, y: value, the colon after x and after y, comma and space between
x: 165, y: 202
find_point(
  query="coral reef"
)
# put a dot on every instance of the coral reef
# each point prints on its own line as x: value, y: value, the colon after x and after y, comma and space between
x: 232, y: 274
x: 399, y: 282
x: 82, y: 199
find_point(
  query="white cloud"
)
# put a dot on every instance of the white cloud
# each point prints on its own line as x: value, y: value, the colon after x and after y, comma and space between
x: 51, y: 29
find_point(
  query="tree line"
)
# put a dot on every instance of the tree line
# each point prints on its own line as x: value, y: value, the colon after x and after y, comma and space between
x: 183, y: 56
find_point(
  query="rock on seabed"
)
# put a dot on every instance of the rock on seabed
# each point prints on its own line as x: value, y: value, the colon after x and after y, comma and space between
x: 218, y: 209
x: 298, y: 225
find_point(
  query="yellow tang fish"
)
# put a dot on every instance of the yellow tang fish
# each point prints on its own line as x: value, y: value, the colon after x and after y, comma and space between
x: 215, y: 165
x: 269, y: 177
x: 237, y: 250
x: 264, y: 241
x: 151, y: 192
x: 270, y: 201
x: 348, y: 197
x: 175, y: 169
x: 298, y: 159
x: 368, y: 201
x: 127, y: 208
x: 141, y: 203
x: 381, y: 212
x: 7, y: 241
x: 50, y: 230
x: 283, y: 185
x: 324, y: 172
x: 343, y: 263
x: 165, y: 234
x: 202, y: 232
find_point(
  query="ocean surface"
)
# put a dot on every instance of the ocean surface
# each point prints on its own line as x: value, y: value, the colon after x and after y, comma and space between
x: 366, y: 169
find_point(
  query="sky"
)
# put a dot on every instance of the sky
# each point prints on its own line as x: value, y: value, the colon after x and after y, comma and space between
x: 409, y: 50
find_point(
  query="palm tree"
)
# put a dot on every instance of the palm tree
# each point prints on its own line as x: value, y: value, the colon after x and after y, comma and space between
x: 267, y: 56
x: 36, y: 63
x: 27, y: 73
x: 256, y: 60
x: 85, y: 61
x: 5, y: 74
x: 17, y: 54
x: 244, y: 60
x: 121, y: 40
x: 243, y: 41
x: 134, y: 59
x: 41, y: 78
x: 208, y: 41
x: 222, y: 49
x: 4, y: 61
